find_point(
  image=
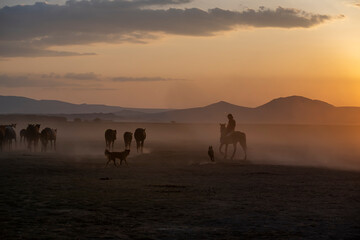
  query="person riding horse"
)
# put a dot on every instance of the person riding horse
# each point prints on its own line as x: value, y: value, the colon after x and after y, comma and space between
x: 228, y: 135
x: 231, y: 125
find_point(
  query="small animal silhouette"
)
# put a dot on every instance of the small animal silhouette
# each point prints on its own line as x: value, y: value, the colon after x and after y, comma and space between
x: 211, y: 153
x: 120, y: 155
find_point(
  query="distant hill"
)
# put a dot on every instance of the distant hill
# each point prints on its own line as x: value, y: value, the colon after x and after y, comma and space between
x: 23, y: 105
x: 286, y: 110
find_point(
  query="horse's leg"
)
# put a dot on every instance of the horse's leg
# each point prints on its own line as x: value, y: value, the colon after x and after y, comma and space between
x: 245, y: 151
x: 137, y: 145
x: 142, y: 146
x: 244, y: 147
x: 226, y: 148
x: 35, y: 144
x: 55, y: 144
x: 220, y: 149
x: 107, y: 162
x: 232, y: 157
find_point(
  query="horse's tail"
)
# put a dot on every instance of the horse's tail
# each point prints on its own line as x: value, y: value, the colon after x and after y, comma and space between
x: 242, y: 140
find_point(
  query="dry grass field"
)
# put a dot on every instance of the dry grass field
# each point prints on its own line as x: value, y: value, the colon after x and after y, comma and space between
x: 300, y: 182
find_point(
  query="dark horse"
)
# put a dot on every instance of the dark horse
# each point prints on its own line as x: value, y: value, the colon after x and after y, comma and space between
x: 10, y: 135
x: 2, y: 136
x: 33, y: 135
x: 233, y: 138
x: 110, y: 137
x: 140, y: 136
x: 22, y: 136
x: 48, y: 135
x: 127, y: 139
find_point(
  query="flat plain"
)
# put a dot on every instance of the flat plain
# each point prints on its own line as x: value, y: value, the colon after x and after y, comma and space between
x: 299, y: 182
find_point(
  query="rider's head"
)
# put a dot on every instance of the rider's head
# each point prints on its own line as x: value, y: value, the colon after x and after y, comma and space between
x: 230, y: 116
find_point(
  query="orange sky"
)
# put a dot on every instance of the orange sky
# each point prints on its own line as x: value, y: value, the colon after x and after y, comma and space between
x: 245, y: 65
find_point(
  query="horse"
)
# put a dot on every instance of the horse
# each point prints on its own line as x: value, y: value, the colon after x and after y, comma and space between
x: 233, y: 138
x: 140, y: 136
x: 23, y: 135
x: 2, y: 136
x: 127, y: 139
x: 46, y: 135
x: 33, y: 135
x: 110, y: 137
x: 7, y: 134
x: 10, y: 135
x: 44, y: 140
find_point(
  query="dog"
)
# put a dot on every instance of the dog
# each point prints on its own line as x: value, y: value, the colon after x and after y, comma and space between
x: 211, y: 153
x: 113, y: 155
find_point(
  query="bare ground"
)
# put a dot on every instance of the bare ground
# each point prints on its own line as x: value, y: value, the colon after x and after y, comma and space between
x: 173, y: 195
x: 301, y: 182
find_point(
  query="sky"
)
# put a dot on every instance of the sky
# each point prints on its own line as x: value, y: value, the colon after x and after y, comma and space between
x: 180, y: 53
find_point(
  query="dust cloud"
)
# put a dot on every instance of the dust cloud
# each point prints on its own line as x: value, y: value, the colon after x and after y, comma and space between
x: 299, y: 145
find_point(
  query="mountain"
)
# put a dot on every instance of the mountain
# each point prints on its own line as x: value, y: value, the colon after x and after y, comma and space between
x: 22, y: 105
x: 285, y: 110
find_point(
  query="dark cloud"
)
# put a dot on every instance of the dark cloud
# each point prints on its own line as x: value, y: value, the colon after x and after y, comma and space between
x: 10, y: 3
x: 40, y: 26
x: 26, y: 49
x: 49, y: 80
x: 78, y: 80
x: 142, y: 79
x: 8, y: 81
x: 82, y: 76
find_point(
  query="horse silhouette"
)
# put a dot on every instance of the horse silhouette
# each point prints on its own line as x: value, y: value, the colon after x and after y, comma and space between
x: 110, y: 137
x: 2, y: 136
x: 48, y: 135
x: 7, y: 134
x: 33, y: 135
x: 23, y: 136
x: 233, y: 138
x: 10, y: 135
x: 140, y: 136
x: 127, y: 139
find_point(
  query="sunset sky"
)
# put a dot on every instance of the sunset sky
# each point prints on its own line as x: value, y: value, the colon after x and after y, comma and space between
x: 180, y: 53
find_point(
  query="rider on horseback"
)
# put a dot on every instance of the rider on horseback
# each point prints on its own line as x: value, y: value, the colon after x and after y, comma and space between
x: 231, y: 125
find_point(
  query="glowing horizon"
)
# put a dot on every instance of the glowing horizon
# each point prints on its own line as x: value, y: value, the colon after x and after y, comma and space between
x: 240, y: 52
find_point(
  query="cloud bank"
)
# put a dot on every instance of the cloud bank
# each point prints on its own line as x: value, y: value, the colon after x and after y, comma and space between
x: 31, y: 30
x: 143, y: 79
x: 78, y: 80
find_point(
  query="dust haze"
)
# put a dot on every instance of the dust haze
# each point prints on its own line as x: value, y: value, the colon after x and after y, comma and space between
x: 301, y: 145
x: 293, y: 185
